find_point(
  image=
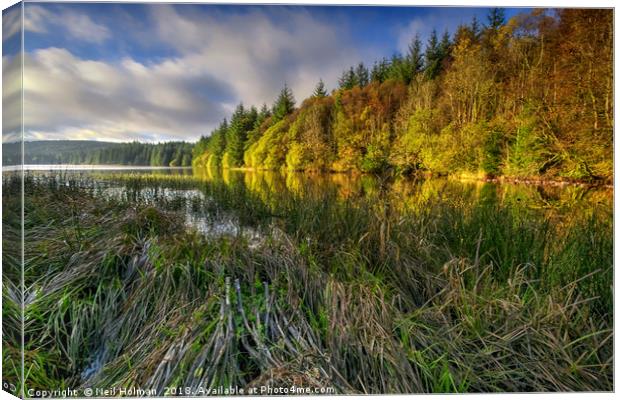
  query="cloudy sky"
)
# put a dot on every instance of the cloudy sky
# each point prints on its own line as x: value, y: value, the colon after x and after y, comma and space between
x: 156, y: 72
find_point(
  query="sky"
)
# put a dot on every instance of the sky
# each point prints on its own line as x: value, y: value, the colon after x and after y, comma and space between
x: 156, y: 72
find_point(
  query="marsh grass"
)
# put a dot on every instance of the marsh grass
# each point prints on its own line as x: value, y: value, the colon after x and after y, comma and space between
x: 357, y: 293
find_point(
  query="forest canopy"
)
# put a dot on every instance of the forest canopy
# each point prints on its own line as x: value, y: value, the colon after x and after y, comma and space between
x: 527, y: 97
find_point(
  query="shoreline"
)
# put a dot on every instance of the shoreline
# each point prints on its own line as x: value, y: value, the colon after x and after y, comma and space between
x: 501, y: 179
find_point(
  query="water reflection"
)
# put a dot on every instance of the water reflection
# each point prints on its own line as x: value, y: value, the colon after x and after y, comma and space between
x: 186, y: 190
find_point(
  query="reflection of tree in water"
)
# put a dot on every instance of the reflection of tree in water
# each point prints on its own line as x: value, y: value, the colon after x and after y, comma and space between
x: 397, y: 195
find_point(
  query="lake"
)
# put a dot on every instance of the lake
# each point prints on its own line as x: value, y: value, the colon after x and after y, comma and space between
x: 552, y: 201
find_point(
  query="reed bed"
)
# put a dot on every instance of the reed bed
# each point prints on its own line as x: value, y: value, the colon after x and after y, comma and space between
x: 356, y: 294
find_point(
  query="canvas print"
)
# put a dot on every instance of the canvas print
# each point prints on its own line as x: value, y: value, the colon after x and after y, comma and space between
x: 228, y: 199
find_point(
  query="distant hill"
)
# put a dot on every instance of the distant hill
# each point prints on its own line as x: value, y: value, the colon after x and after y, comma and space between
x: 94, y: 152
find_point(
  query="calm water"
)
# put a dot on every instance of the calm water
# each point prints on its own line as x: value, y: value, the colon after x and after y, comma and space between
x: 184, y: 190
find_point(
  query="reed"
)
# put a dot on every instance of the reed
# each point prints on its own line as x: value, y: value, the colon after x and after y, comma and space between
x: 354, y: 293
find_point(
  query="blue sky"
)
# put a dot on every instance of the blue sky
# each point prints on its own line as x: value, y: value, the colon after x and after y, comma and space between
x: 154, y: 72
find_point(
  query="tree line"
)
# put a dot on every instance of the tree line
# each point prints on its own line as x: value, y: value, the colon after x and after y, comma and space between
x: 93, y: 152
x: 527, y: 97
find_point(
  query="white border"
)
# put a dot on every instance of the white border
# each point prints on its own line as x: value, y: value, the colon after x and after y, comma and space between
x: 481, y: 3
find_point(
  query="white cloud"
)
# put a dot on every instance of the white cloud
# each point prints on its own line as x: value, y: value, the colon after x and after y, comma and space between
x: 221, y: 59
x: 11, y: 98
x: 11, y: 22
x: 67, y: 97
x: 79, y: 26
x: 256, y: 54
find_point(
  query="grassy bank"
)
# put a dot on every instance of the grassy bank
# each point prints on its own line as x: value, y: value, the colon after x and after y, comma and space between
x: 351, y: 293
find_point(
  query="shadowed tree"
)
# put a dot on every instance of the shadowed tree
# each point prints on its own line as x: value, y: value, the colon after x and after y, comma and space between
x: 362, y: 75
x: 415, y: 58
x: 348, y: 79
x: 319, y: 90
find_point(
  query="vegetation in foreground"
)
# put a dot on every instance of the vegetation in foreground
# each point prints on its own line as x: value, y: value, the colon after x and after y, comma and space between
x: 352, y: 294
x: 531, y: 97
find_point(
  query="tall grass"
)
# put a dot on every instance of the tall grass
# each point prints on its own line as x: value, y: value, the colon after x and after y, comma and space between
x: 358, y: 293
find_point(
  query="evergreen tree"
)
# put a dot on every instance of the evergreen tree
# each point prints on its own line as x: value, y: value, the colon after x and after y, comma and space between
x: 263, y: 114
x: 432, y: 55
x: 475, y: 27
x: 241, y: 124
x: 362, y: 75
x: 444, y: 46
x: 496, y: 18
x: 380, y: 70
x: 415, y: 58
x: 217, y: 142
x: 284, y: 105
x: 319, y: 90
x: 348, y: 80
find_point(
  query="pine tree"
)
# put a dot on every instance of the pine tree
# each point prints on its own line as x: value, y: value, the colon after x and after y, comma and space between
x: 415, y: 58
x: 475, y: 27
x: 496, y: 18
x: 285, y: 104
x: 380, y: 70
x: 431, y: 56
x: 319, y: 90
x: 361, y: 75
x: 348, y: 80
x: 217, y: 141
x: 240, y: 124
x: 263, y: 114
x: 435, y: 53
x: 444, y: 46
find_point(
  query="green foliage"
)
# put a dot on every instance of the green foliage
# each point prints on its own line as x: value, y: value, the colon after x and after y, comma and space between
x: 241, y: 123
x: 348, y: 80
x: 437, y: 108
x: 379, y: 72
x: 285, y: 104
x: 415, y: 57
x: 214, y: 145
x: 270, y: 150
x: 530, y: 150
x: 361, y: 74
x: 310, y: 137
x: 492, y: 150
x: 319, y: 90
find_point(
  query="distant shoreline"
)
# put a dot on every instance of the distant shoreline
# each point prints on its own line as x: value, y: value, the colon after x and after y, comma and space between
x: 83, y: 167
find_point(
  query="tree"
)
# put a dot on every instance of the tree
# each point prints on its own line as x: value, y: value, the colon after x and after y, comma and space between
x: 415, y: 58
x: 240, y: 124
x: 475, y: 27
x: 496, y: 18
x: 284, y: 105
x: 217, y: 143
x: 399, y: 69
x: 319, y: 90
x: 531, y: 96
x: 348, y: 79
x: 432, y: 56
x: 362, y: 75
x: 445, y: 45
x: 379, y: 71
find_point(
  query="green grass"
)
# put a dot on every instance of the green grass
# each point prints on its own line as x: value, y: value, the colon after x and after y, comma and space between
x: 367, y: 290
